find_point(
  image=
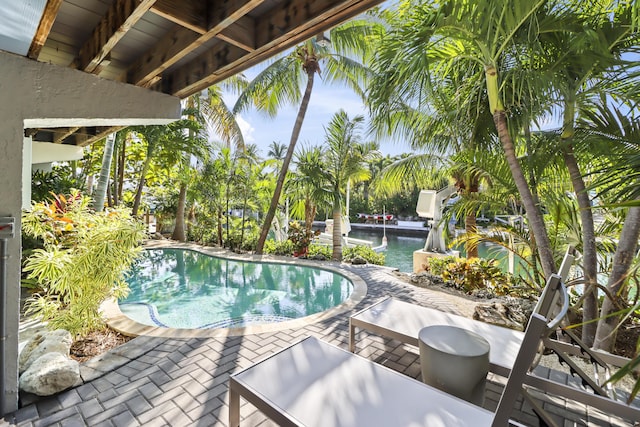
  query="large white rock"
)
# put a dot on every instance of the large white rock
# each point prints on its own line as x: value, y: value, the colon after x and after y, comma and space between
x: 58, y: 341
x: 50, y: 374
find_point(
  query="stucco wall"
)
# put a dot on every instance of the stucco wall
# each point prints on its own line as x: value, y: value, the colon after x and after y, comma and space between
x: 34, y: 94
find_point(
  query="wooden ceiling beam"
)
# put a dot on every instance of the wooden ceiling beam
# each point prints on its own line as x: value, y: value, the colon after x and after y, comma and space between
x: 60, y: 135
x: 181, y: 41
x: 44, y: 28
x: 191, y: 14
x: 277, y: 30
x: 120, y: 18
x: 241, y: 34
x: 100, y: 133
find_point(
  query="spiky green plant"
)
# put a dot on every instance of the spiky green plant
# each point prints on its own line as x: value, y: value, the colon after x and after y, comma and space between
x: 85, y: 258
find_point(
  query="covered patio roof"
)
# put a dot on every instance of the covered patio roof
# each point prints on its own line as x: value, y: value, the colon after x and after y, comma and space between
x: 177, y: 47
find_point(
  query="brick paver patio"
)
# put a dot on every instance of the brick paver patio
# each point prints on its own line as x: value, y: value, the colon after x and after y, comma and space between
x: 181, y: 382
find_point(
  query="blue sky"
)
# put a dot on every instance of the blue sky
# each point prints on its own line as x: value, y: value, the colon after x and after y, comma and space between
x: 326, y: 100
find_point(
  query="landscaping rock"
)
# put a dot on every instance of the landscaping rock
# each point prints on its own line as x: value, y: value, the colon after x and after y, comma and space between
x: 512, y: 313
x: 58, y: 341
x: 358, y: 260
x: 425, y: 280
x: 50, y: 374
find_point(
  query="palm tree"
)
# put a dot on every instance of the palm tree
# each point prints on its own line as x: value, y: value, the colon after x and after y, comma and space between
x: 346, y: 159
x: 281, y: 83
x: 277, y: 151
x: 620, y: 133
x: 582, y: 64
x: 437, y: 132
x: 208, y: 110
x: 477, y: 45
x: 103, y: 180
x: 308, y: 186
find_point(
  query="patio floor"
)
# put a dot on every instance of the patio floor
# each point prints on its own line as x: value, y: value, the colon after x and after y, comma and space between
x: 184, y: 381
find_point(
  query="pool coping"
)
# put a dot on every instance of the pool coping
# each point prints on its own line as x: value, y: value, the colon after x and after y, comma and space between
x: 126, y: 326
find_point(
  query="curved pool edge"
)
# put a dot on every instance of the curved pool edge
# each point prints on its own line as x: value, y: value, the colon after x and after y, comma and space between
x: 116, y: 320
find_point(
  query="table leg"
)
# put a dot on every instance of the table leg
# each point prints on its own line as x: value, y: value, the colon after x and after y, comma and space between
x: 352, y: 337
x: 234, y: 407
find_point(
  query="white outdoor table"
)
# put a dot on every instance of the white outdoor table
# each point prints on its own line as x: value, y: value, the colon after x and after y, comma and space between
x: 313, y: 383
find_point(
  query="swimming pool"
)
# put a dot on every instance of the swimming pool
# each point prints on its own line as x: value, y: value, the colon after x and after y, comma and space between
x: 181, y: 288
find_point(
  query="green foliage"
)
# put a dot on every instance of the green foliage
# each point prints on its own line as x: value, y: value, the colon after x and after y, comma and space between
x: 319, y: 251
x: 473, y: 274
x: 365, y: 252
x: 300, y: 237
x: 239, y: 237
x: 59, y: 180
x: 83, y: 262
x: 284, y: 248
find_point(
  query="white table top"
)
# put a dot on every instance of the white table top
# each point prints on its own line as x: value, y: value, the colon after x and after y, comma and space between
x: 318, y: 384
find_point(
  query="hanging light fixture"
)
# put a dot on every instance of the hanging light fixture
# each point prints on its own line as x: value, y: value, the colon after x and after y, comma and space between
x: 322, y: 40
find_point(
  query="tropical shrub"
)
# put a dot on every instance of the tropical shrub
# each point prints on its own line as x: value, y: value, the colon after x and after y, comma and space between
x: 284, y: 248
x: 476, y: 273
x: 319, y: 251
x: 60, y: 180
x: 83, y: 262
x: 300, y: 237
x: 365, y: 252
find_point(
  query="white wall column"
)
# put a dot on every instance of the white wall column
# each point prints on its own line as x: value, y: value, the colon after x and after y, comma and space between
x: 35, y: 94
x: 27, y: 153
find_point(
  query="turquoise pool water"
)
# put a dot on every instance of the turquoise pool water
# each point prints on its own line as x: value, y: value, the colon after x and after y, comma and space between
x: 179, y: 288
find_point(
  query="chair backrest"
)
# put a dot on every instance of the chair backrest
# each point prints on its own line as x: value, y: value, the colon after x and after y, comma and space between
x: 538, y: 328
x: 547, y: 307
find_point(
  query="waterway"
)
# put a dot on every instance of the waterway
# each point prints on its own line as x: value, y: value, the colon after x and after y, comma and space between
x: 400, y: 247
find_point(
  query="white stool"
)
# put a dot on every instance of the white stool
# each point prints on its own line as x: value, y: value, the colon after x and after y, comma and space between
x: 455, y: 361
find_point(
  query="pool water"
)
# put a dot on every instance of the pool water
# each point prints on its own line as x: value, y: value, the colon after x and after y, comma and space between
x: 180, y: 288
x: 400, y: 249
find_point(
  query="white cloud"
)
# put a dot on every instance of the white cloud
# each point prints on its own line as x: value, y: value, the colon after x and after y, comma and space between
x: 246, y: 128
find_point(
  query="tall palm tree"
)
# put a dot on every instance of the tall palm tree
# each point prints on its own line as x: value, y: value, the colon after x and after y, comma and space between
x: 478, y: 45
x: 103, y: 180
x: 436, y: 132
x: 346, y: 159
x: 620, y: 133
x: 582, y: 64
x: 282, y: 82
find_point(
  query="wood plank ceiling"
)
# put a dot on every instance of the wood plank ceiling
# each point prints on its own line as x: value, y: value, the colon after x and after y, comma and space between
x: 178, y: 47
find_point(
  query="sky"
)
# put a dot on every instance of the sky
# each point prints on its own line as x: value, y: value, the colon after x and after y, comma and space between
x: 326, y: 100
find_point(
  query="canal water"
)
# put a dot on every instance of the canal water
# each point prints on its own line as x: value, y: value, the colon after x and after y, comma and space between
x: 400, y: 248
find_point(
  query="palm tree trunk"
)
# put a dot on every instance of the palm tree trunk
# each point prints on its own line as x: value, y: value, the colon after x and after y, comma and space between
x: 105, y: 171
x: 589, y: 252
x: 121, y: 165
x: 285, y: 163
x: 138, y: 197
x: 220, y: 226
x: 337, y: 232
x: 625, y: 253
x: 470, y: 226
x: 178, y: 230
x: 309, y: 214
x: 533, y: 213
x: 244, y: 209
x: 113, y: 188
